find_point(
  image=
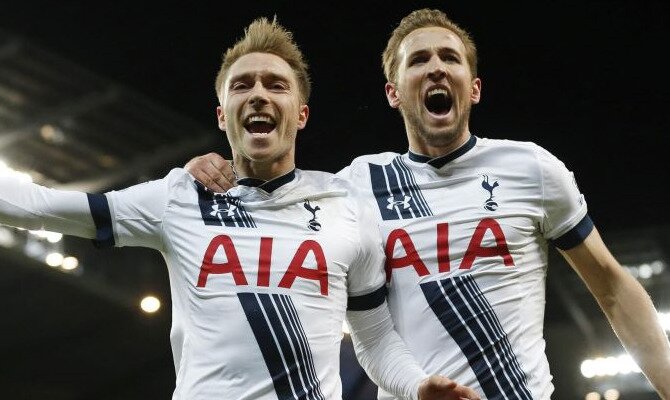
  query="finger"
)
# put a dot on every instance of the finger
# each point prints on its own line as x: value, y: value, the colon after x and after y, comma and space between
x: 216, y: 174
x: 225, y: 168
x: 466, y: 392
x: 222, y: 165
x: 214, y: 181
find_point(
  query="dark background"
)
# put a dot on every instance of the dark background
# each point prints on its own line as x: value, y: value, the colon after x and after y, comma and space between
x: 586, y: 80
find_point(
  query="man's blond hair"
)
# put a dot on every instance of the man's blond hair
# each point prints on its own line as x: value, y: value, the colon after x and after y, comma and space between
x: 424, y: 18
x: 263, y: 36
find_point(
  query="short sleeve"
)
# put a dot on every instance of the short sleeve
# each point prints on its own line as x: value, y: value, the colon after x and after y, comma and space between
x: 565, y: 220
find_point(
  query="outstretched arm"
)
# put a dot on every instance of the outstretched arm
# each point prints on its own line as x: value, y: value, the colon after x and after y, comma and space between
x: 387, y: 361
x: 30, y: 206
x: 627, y: 306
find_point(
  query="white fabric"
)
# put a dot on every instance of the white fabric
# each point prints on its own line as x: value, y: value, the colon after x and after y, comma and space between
x: 382, y: 353
x: 231, y: 328
x: 492, y: 302
x: 30, y: 206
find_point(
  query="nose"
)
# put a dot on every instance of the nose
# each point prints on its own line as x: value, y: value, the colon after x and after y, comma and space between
x: 258, y: 97
x: 437, y: 69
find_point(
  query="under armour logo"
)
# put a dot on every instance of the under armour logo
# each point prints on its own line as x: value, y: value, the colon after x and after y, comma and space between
x: 393, y: 203
x: 226, y: 208
x: 313, y: 224
x: 489, y: 204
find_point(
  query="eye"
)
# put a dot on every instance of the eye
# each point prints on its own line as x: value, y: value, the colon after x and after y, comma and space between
x: 418, y: 60
x: 239, y: 85
x: 450, y: 57
x: 278, y: 85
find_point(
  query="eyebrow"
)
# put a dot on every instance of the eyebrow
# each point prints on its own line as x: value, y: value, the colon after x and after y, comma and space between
x: 265, y: 76
x: 441, y: 50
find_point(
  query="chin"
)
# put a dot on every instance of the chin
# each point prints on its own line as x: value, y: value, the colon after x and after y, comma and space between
x: 440, y: 138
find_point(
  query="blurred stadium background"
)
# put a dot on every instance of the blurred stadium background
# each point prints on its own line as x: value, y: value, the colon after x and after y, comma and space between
x: 99, y: 101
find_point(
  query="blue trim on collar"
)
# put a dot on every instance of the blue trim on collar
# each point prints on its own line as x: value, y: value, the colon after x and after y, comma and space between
x: 269, y: 186
x: 439, y: 162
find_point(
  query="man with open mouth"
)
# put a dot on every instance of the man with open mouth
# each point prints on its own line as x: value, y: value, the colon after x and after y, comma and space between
x: 263, y: 275
x: 466, y: 222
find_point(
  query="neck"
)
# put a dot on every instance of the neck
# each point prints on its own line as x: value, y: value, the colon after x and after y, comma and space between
x: 437, y: 148
x: 266, y: 171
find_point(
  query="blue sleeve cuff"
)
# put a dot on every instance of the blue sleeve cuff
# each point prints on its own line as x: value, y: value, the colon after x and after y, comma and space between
x: 102, y: 217
x: 575, y: 235
x: 367, y: 301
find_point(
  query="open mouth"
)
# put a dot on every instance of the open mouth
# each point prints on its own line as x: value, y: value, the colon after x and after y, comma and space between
x: 259, y: 124
x: 438, y: 101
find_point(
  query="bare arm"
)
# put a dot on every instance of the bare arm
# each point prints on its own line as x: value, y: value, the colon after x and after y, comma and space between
x: 627, y: 306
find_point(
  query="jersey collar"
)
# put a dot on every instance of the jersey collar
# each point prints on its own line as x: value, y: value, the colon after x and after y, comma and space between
x: 268, y: 186
x: 441, y: 161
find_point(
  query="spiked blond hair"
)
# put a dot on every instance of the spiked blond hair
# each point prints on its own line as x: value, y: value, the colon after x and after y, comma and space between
x: 263, y: 36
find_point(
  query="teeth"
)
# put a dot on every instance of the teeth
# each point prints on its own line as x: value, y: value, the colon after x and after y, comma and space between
x: 260, y: 118
x: 438, y: 91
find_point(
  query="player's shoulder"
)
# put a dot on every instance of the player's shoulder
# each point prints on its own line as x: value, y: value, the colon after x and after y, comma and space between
x: 376, y: 158
x: 179, y: 177
x: 360, y: 165
x: 517, y: 148
x: 178, y: 183
x: 326, y: 184
x: 321, y: 181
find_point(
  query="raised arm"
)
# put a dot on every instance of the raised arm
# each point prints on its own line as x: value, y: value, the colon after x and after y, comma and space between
x: 627, y: 306
x: 30, y: 206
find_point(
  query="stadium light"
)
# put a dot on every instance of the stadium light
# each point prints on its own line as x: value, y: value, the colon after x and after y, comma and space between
x: 150, y: 304
x: 70, y: 263
x: 54, y: 259
x: 609, y: 366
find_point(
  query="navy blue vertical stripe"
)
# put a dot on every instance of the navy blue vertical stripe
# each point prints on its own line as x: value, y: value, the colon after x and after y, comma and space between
x: 470, y: 320
x: 414, y: 188
x: 214, y: 209
x: 404, y: 186
x: 290, y: 315
x: 396, y: 190
x: 392, y: 184
x: 284, y: 345
x: 244, y: 215
x: 264, y: 337
x: 206, y: 201
x: 102, y: 218
x: 381, y: 192
x: 518, y: 377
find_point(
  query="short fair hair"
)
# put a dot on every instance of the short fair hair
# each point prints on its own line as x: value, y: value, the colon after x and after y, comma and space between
x: 418, y: 19
x: 263, y: 36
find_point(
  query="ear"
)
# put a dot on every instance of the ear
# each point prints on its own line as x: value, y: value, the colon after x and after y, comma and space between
x: 476, y: 94
x: 392, y: 95
x: 303, y: 116
x: 221, y: 118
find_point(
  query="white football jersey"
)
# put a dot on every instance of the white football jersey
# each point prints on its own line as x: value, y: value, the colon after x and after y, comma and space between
x: 259, y: 278
x: 466, y: 238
